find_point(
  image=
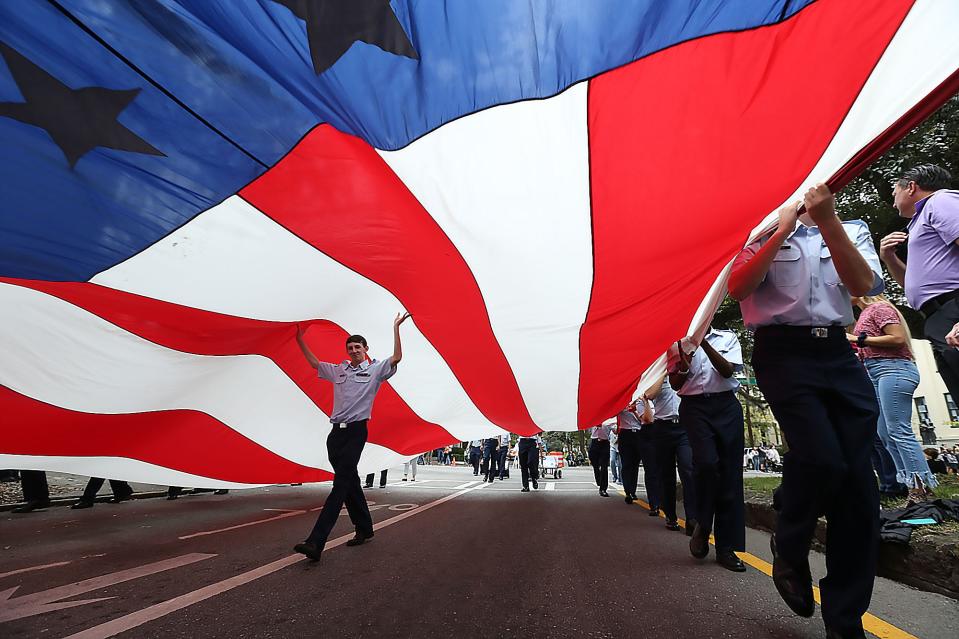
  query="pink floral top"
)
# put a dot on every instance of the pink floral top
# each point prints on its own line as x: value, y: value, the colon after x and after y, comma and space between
x: 871, y: 321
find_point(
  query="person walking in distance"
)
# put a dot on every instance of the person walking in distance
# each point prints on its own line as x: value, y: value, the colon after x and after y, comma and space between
x: 599, y: 456
x: 355, y: 383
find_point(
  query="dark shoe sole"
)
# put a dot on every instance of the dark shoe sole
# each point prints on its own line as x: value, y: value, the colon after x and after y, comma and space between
x: 312, y: 552
x: 699, y: 544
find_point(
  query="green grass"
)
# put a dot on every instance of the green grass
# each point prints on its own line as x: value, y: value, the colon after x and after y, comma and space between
x: 948, y: 488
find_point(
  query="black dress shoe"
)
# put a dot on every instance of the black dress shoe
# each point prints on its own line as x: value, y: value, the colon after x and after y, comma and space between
x: 672, y: 524
x: 628, y: 499
x: 221, y: 491
x: 309, y: 549
x: 690, y: 526
x: 728, y: 560
x: 82, y: 504
x: 603, y: 493
x: 653, y: 512
x: 699, y: 542
x: 367, y: 485
x: 30, y: 506
x: 525, y: 490
x: 794, y: 585
x: 852, y: 633
x: 359, y: 539
x: 535, y: 485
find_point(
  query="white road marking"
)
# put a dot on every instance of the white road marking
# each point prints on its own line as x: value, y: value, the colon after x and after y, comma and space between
x: 466, y: 485
x: 281, y: 510
x: 32, y: 568
x: 551, y: 485
x: 140, y: 617
x: 44, y: 601
x: 291, y: 513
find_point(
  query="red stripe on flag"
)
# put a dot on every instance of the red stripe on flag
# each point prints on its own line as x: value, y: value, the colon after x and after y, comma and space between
x: 184, y: 440
x: 337, y: 194
x: 394, y: 424
x: 689, y: 149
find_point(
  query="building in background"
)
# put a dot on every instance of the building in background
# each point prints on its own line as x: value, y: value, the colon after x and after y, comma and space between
x: 934, y: 409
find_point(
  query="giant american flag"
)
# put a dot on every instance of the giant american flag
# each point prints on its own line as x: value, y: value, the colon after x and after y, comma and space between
x: 553, y: 188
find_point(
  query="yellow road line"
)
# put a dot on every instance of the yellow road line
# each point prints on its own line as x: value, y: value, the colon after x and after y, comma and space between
x: 870, y: 623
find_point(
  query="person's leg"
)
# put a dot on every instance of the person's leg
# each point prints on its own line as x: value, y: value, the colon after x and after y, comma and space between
x: 524, y: 465
x: 896, y: 388
x: 666, y: 463
x: 383, y: 478
x: 533, y: 454
x: 882, y: 462
x: 878, y: 376
x: 695, y: 418
x: 614, y: 464
x: 852, y: 513
x: 602, y: 463
x: 93, y: 487
x: 413, y: 469
x: 629, y: 454
x: 684, y: 461
x: 34, y: 485
x: 406, y: 470
x: 651, y: 474
x: 345, y: 446
x: 730, y: 517
x: 369, y: 480
x: 121, y: 490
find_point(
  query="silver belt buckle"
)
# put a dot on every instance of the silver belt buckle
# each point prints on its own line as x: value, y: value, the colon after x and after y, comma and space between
x: 820, y: 332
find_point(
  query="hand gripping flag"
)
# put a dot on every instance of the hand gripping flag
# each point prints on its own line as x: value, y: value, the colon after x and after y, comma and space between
x: 554, y: 189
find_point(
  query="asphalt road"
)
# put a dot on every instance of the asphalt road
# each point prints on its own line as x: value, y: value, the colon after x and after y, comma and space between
x: 451, y: 557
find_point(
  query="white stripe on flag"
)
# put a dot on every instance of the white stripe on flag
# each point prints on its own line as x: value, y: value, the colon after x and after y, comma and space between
x: 510, y: 187
x: 232, y: 259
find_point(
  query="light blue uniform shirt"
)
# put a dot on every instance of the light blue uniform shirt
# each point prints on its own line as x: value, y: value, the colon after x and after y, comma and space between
x: 802, y: 287
x: 601, y: 432
x: 666, y: 402
x: 703, y: 377
x: 628, y: 420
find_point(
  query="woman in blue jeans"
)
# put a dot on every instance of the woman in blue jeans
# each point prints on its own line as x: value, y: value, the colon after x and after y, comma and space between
x: 883, y: 340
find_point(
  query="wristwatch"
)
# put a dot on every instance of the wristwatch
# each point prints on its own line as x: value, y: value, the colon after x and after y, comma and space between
x: 861, y: 341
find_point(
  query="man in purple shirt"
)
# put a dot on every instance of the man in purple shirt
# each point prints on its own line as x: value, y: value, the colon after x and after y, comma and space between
x: 931, y: 279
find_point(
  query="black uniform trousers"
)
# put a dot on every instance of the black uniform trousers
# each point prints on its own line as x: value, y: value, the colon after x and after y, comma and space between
x: 34, y: 485
x: 121, y: 489
x: 826, y: 406
x: 501, y: 455
x: 476, y: 453
x: 528, y: 461
x: 714, y: 424
x: 937, y: 326
x: 636, y: 446
x: 673, y: 451
x: 489, y: 456
x: 372, y: 476
x: 344, y: 445
x: 599, y: 460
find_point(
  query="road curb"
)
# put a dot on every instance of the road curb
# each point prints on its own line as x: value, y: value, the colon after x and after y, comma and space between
x: 69, y: 501
x: 927, y: 565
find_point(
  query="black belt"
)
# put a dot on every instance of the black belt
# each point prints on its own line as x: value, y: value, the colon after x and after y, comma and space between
x: 709, y: 395
x: 669, y: 420
x: 345, y: 424
x: 936, y: 303
x: 802, y: 332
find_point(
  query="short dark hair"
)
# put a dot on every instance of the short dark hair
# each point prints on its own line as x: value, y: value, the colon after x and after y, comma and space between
x: 356, y: 339
x: 928, y: 177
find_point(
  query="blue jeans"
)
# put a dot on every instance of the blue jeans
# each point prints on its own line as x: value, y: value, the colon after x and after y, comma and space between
x: 615, y: 464
x: 895, y: 381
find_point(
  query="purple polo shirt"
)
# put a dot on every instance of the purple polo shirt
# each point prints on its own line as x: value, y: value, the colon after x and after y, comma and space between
x: 933, y: 255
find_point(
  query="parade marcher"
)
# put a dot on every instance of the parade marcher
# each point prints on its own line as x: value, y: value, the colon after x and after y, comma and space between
x: 370, y: 477
x: 490, y: 456
x: 671, y: 444
x: 930, y: 277
x: 615, y: 461
x: 794, y: 287
x: 629, y: 421
x: 36, y: 493
x: 475, y: 455
x: 121, y: 492
x: 409, y: 468
x: 355, y: 383
x: 528, y: 453
x: 713, y: 420
x: 501, y: 455
x: 599, y: 456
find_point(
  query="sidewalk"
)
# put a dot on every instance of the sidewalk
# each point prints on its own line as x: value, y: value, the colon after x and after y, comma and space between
x: 65, y: 489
